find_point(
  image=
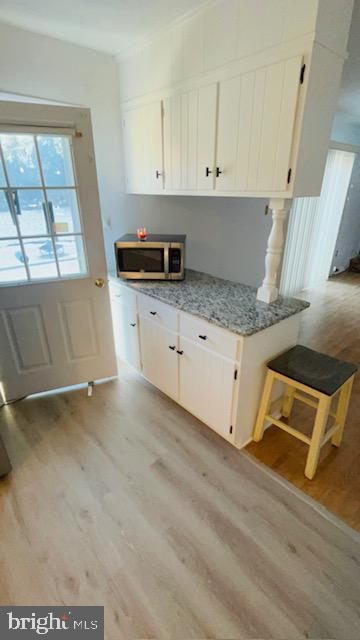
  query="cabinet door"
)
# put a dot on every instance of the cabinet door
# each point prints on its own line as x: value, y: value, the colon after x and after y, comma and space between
x: 255, y: 128
x: 206, y: 385
x: 126, y: 333
x: 142, y: 127
x: 159, y: 356
x: 189, y: 139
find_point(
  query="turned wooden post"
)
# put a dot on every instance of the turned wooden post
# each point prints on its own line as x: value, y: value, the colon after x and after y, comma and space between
x: 268, y: 292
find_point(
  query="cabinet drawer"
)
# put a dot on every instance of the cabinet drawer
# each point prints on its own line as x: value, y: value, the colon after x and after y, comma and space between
x: 214, y: 338
x: 158, y: 311
x: 122, y: 294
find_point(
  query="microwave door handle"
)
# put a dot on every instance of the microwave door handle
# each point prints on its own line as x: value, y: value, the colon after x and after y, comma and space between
x: 166, y: 258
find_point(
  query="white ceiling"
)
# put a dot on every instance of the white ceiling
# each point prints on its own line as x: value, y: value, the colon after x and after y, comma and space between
x: 112, y: 26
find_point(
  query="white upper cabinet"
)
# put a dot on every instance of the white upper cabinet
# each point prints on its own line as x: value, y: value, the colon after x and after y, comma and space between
x: 189, y: 139
x: 142, y: 136
x: 236, y: 118
x: 255, y: 128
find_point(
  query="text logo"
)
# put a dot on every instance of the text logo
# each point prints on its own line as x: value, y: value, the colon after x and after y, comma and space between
x: 63, y: 622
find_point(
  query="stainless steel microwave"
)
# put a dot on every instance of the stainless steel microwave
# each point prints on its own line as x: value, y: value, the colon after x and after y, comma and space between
x: 159, y: 257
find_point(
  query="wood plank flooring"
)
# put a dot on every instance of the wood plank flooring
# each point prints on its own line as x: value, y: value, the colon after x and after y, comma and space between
x: 125, y: 500
x: 331, y: 325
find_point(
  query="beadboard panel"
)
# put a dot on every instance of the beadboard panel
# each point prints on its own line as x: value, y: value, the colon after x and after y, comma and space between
x: 238, y: 28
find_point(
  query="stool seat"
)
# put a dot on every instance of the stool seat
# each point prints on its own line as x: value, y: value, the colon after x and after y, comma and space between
x: 315, y: 379
x: 313, y: 369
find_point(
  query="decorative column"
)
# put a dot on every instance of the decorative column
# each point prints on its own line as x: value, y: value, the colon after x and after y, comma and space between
x: 268, y: 292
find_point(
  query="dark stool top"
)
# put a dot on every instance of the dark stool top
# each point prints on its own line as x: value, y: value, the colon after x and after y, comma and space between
x: 314, y: 369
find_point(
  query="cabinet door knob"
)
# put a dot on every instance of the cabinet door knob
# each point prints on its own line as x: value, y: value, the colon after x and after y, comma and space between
x: 132, y: 324
x: 207, y: 172
x: 158, y: 174
x: 203, y: 337
x: 153, y: 313
x: 218, y: 172
x: 172, y: 347
x: 179, y: 352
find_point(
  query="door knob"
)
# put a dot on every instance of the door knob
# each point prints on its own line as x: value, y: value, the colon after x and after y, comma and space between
x: 99, y: 282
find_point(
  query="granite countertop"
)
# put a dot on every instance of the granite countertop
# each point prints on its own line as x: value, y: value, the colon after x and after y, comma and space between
x: 227, y: 304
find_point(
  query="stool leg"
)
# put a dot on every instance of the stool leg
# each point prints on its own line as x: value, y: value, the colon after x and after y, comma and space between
x: 341, y: 411
x: 264, y: 405
x: 288, y: 401
x: 317, y: 434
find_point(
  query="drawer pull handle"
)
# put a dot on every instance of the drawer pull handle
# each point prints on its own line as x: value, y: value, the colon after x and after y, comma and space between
x: 153, y: 313
x: 179, y: 352
x: 203, y: 337
x: 172, y: 347
x: 132, y: 324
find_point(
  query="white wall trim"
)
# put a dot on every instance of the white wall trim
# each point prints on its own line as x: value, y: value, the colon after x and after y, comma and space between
x: 343, y: 146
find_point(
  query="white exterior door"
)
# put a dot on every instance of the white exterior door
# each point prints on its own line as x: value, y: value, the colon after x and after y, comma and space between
x: 142, y: 128
x: 206, y: 385
x: 159, y: 356
x: 55, y: 322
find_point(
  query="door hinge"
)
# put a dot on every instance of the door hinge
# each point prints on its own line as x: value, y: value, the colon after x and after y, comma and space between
x: 235, y: 374
x: 302, y: 74
x: 289, y: 176
x: 231, y: 429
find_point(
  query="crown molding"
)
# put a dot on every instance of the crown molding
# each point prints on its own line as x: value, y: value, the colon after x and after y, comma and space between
x: 157, y: 33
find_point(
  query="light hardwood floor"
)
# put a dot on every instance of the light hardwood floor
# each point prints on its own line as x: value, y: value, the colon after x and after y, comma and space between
x: 126, y: 500
x: 331, y: 325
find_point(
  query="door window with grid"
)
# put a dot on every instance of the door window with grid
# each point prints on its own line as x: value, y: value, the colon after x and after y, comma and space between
x: 40, y: 225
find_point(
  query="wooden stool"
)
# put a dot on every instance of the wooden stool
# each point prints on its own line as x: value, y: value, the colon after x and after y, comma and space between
x: 319, y: 376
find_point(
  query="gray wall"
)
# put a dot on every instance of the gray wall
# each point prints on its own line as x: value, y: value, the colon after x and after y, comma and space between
x: 348, y: 240
x: 227, y: 237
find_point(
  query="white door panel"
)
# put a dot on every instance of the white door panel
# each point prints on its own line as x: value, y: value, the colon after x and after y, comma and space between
x: 27, y: 337
x: 55, y: 324
x: 159, y: 356
x: 189, y: 139
x: 255, y: 128
x: 142, y: 128
x: 126, y: 332
x: 53, y: 336
x: 80, y: 338
x: 206, y: 385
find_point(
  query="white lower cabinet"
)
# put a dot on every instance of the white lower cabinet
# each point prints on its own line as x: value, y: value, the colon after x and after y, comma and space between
x: 159, y: 356
x: 126, y: 332
x: 206, y: 385
x: 215, y: 374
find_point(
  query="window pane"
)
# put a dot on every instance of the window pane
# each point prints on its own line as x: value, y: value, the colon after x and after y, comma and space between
x: 7, y: 226
x: 56, y: 161
x: 63, y: 203
x: 40, y: 258
x: 20, y: 160
x: 2, y: 175
x: 32, y: 218
x: 71, y: 256
x: 12, y: 267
